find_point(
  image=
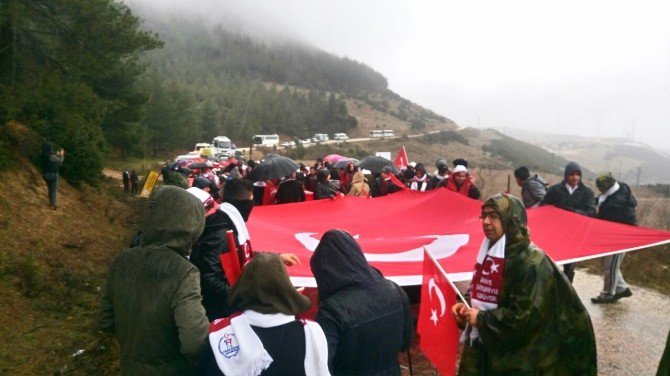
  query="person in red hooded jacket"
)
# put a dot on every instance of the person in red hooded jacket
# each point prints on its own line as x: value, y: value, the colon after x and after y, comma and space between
x: 460, y: 182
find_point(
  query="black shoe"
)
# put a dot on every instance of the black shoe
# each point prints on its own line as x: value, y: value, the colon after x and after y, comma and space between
x: 604, y: 299
x: 623, y: 294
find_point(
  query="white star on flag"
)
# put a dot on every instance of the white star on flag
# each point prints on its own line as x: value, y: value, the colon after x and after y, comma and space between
x: 494, y: 267
x: 433, y: 316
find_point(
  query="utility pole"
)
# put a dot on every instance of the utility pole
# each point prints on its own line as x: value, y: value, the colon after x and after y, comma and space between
x: 639, y: 172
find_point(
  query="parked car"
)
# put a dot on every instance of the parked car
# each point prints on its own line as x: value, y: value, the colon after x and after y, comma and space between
x: 287, y: 144
x: 305, y: 141
x: 340, y: 136
x: 320, y: 137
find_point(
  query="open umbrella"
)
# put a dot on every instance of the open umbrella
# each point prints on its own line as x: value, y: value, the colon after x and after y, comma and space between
x: 375, y: 164
x: 342, y: 163
x: 198, y: 165
x: 273, y: 168
x: 332, y: 158
x: 270, y: 156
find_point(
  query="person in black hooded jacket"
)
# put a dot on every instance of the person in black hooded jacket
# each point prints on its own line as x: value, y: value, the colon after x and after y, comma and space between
x: 366, y: 318
x: 572, y: 195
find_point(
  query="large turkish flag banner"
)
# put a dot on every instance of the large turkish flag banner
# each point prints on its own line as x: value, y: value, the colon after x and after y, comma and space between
x: 437, y: 329
x: 393, y: 229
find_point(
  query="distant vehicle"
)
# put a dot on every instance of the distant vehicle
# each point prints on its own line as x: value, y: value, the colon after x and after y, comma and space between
x: 305, y: 141
x: 320, y: 137
x: 191, y: 155
x: 340, y: 136
x: 288, y: 144
x: 266, y: 140
x: 201, y: 145
x: 388, y: 133
x: 223, y: 147
x: 376, y: 134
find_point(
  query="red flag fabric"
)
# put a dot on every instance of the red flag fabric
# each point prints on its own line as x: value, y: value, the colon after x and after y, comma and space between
x: 393, y: 229
x: 438, y: 331
x: 230, y: 261
x: 401, y: 160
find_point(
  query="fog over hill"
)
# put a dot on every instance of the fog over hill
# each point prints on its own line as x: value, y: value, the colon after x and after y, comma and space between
x: 630, y: 161
x: 491, y: 64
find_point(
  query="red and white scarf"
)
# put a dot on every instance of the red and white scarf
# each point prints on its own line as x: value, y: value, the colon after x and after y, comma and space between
x: 419, y: 183
x: 239, y: 352
x: 243, y: 238
x: 487, y: 280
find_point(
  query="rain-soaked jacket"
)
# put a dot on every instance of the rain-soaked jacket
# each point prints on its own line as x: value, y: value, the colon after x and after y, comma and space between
x: 152, y: 299
x: 540, y: 326
x: 366, y: 318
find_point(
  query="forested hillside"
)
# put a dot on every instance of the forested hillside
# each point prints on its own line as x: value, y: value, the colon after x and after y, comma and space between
x: 68, y: 69
x: 101, y: 79
x: 228, y: 83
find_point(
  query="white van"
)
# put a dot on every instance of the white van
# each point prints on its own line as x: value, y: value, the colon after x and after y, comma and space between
x: 266, y: 140
x: 222, y: 147
x: 320, y: 137
x: 376, y: 134
x: 340, y: 136
x: 388, y: 133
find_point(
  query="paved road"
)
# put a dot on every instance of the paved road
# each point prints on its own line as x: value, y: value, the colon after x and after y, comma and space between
x: 631, y: 334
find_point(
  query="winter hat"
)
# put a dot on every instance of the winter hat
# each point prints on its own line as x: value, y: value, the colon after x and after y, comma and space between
x: 460, y: 168
x: 420, y: 166
x: 460, y: 162
x: 605, y: 182
x: 441, y: 162
x: 387, y: 170
x: 572, y: 167
x: 413, y: 164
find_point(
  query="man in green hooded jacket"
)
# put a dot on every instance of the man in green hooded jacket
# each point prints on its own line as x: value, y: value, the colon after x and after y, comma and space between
x: 525, y: 319
x: 152, y: 300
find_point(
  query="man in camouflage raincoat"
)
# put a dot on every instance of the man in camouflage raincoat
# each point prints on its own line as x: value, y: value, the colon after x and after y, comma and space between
x: 538, y: 325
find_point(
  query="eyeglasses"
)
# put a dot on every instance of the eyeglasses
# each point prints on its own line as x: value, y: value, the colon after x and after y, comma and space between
x: 491, y: 215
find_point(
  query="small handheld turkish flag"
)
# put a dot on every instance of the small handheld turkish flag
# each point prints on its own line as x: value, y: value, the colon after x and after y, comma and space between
x: 401, y: 160
x: 437, y: 329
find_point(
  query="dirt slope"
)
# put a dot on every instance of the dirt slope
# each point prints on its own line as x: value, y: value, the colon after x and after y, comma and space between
x: 52, y: 266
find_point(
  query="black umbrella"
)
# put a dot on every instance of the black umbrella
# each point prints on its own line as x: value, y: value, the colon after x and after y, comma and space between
x: 273, y: 168
x: 376, y: 164
x: 270, y: 156
x: 198, y: 165
x: 342, y: 163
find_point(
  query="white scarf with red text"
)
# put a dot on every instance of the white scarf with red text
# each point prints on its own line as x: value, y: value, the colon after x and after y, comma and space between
x: 487, y: 279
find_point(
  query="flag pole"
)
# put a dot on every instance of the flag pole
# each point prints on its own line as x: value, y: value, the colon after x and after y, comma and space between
x: 444, y: 274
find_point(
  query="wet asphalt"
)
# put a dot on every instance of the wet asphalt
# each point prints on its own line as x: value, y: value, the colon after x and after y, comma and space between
x: 631, y: 333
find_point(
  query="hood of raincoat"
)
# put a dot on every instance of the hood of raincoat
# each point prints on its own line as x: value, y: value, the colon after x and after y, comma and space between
x: 570, y: 168
x: 338, y: 262
x: 513, y: 216
x: 265, y: 287
x: 174, y: 220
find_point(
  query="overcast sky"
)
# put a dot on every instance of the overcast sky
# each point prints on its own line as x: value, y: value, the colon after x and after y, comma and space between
x: 595, y: 68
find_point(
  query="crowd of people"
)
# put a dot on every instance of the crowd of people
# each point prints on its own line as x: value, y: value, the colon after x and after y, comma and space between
x: 177, y: 308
